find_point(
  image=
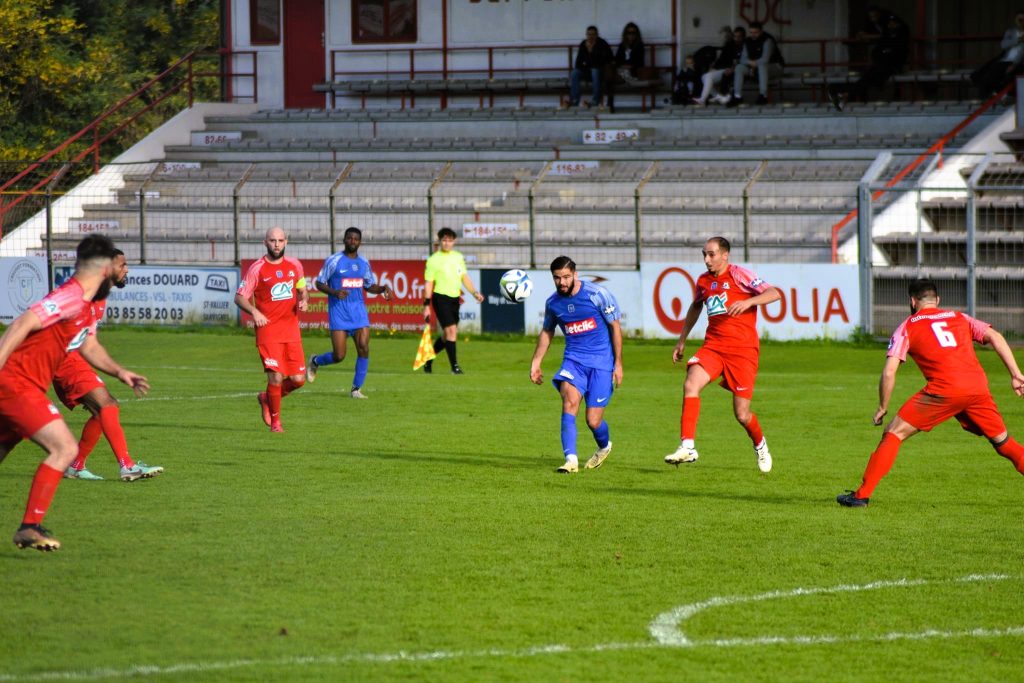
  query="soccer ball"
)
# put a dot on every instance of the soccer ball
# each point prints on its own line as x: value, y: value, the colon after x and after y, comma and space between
x: 516, y: 286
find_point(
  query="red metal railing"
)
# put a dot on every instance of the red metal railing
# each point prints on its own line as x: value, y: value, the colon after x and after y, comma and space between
x: 937, y: 148
x: 179, y: 76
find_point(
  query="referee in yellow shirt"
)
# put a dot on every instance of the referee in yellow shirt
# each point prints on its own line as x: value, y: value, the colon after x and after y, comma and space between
x: 445, y: 274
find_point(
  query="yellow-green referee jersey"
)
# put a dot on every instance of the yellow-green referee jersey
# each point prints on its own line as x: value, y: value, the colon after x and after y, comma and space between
x: 445, y: 270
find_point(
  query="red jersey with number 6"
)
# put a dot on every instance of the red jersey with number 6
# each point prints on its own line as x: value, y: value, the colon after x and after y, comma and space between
x: 942, y: 345
x: 728, y: 332
x: 272, y: 286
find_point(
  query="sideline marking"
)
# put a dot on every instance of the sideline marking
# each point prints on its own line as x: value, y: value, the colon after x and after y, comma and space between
x: 668, y: 621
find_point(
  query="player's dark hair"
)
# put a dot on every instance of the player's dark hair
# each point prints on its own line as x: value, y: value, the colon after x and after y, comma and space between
x: 355, y: 230
x: 446, y: 232
x: 118, y: 252
x: 740, y: 29
x: 722, y: 243
x: 592, y: 28
x: 563, y: 262
x: 95, y: 246
x: 923, y: 288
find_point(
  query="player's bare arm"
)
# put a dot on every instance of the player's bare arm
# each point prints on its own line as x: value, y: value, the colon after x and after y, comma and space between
x: 615, y: 331
x: 765, y: 297
x: 383, y: 290
x: 97, y: 356
x: 471, y: 289
x: 692, y: 314
x: 330, y: 291
x: 428, y: 292
x: 1005, y: 353
x: 247, y: 306
x: 543, y: 342
x: 886, y: 384
x: 24, y: 325
x: 303, y: 303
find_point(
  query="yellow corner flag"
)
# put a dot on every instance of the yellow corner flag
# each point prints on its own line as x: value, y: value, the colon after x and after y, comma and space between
x: 426, y: 350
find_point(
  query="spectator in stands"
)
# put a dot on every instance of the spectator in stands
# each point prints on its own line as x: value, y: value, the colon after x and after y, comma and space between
x: 998, y: 72
x: 760, y: 55
x: 688, y: 82
x: 629, y: 60
x: 592, y: 56
x: 724, y: 66
x: 888, y: 56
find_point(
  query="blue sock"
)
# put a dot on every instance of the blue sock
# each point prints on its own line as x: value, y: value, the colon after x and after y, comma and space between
x: 362, y: 365
x: 601, y: 434
x: 568, y: 434
x: 325, y: 358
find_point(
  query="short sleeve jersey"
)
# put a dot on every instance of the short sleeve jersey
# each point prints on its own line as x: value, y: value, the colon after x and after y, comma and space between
x: 445, y: 270
x: 942, y: 345
x: 72, y: 361
x: 584, y: 319
x: 728, y: 332
x: 67, y: 320
x: 272, y: 286
x: 351, y: 274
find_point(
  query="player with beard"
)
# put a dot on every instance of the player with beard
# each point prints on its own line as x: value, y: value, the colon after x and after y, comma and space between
x: 31, y: 350
x: 588, y: 316
x: 343, y: 278
x: 77, y: 383
x: 273, y: 292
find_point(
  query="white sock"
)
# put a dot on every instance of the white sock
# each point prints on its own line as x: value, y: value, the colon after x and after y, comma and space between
x: 572, y: 458
x: 688, y: 443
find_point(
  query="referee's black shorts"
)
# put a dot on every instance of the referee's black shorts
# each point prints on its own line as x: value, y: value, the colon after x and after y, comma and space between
x: 446, y: 308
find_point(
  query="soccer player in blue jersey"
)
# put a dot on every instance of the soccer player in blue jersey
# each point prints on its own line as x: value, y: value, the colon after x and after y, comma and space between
x: 588, y: 316
x: 343, y: 278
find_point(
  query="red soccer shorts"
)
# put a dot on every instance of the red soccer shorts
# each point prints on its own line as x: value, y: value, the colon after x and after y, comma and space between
x: 738, y: 370
x: 74, y: 379
x: 284, y: 357
x: 977, y: 414
x: 24, y: 413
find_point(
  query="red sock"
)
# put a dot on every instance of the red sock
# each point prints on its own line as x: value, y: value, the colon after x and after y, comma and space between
x: 274, y: 400
x: 1012, y: 451
x: 90, y: 436
x: 290, y: 385
x: 44, y: 485
x: 688, y: 420
x: 110, y: 419
x: 754, y: 430
x: 879, y: 464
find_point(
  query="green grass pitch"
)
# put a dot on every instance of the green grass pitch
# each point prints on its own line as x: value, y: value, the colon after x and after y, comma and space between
x: 423, y: 534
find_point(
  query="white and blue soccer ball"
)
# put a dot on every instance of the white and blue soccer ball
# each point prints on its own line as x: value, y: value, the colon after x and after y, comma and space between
x: 516, y: 286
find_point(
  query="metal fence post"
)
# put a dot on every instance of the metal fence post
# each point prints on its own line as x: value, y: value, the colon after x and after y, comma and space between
x: 972, y: 234
x: 637, y: 213
x: 236, y: 219
x: 864, y: 254
x: 746, y: 209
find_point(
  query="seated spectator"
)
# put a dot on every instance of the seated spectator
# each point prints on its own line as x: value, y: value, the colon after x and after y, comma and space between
x: 761, y: 56
x: 629, y: 60
x: 592, y: 56
x: 723, y: 66
x: 688, y: 82
x: 888, y: 56
x: 1009, y: 63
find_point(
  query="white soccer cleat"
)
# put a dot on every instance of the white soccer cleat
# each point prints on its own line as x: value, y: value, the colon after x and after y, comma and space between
x: 355, y: 393
x: 570, y: 466
x: 681, y: 455
x: 311, y: 368
x: 598, y: 457
x: 764, y: 458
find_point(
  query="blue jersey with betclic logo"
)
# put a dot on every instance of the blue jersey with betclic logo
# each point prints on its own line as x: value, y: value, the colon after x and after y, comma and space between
x: 341, y: 271
x: 584, y: 320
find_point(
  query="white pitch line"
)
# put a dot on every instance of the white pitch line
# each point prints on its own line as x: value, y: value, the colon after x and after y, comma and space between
x: 217, y: 397
x: 685, y: 643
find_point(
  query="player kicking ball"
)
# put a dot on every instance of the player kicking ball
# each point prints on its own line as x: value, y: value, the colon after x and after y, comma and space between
x: 941, y: 342
x: 76, y: 383
x: 588, y: 316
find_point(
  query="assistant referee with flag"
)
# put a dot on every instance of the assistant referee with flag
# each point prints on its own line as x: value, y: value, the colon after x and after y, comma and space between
x: 445, y: 274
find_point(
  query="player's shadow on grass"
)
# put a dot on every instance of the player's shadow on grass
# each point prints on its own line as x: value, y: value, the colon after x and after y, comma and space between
x: 682, y: 493
x: 502, y: 460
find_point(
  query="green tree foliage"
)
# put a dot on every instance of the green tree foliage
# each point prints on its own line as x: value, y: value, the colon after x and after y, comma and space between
x: 64, y: 62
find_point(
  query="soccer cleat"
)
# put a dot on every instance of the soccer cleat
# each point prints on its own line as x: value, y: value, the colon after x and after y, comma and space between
x: 428, y: 367
x: 83, y: 474
x: 264, y: 406
x: 276, y: 426
x: 569, y: 467
x: 133, y: 473
x: 355, y: 393
x: 598, y: 457
x: 681, y: 455
x: 850, y: 500
x: 311, y: 368
x: 456, y: 370
x: 148, y: 471
x: 35, y: 537
x: 764, y: 458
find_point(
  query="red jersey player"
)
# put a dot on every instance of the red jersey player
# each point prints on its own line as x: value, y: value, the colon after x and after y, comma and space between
x: 272, y: 292
x: 731, y: 295
x: 31, y: 349
x: 76, y: 383
x: 942, y: 344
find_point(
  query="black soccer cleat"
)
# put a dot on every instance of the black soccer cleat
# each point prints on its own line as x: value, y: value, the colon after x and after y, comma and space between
x: 428, y: 367
x: 850, y: 500
x: 456, y: 370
